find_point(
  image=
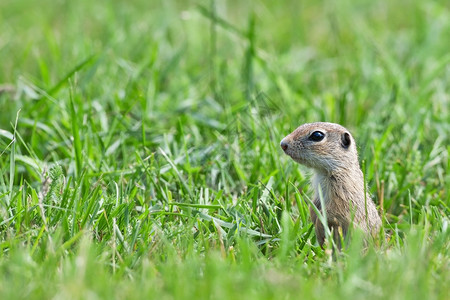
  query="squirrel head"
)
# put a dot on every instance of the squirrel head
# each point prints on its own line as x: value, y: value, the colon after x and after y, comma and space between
x: 324, y: 147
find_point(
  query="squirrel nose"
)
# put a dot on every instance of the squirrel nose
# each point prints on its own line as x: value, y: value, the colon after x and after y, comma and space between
x: 284, y: 145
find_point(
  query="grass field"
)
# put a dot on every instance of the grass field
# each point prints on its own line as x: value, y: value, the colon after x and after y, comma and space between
x: 140, y: 159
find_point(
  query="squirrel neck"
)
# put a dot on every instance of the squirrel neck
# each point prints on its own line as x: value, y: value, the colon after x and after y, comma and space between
x: 346, y: 184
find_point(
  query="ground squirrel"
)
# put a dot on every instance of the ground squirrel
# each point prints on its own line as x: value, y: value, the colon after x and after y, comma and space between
x: 330, y: 150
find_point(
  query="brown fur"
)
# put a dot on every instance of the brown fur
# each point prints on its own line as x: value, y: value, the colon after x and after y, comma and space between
x: 338, y: 176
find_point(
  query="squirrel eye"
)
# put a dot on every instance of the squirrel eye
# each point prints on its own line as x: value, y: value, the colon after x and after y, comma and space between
x: 316, y: 136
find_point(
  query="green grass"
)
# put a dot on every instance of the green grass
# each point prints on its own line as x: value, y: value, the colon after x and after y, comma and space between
x: 139, y: 151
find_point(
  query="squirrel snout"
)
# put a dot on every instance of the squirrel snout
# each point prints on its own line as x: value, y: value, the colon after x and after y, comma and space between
x: 284, y: 145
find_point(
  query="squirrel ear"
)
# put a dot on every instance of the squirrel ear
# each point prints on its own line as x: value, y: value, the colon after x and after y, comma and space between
x: 346, y: 140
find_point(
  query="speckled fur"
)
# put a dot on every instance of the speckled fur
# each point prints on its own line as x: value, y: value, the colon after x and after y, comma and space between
x: 338, y: 175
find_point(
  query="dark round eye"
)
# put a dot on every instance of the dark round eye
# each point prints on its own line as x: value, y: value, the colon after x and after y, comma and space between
x: 316, y: 136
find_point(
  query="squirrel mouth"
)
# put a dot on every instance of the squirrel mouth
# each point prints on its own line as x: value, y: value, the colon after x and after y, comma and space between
x: 294, y: 157
x: 298, y: 160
